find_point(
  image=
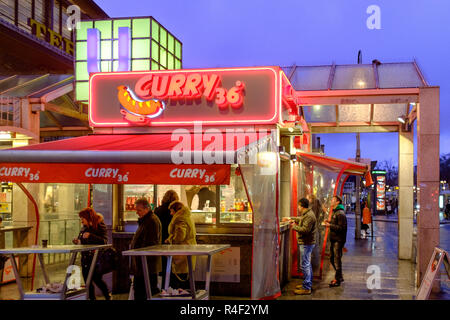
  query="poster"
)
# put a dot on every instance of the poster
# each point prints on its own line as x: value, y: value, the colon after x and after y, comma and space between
x: 433, y: 268
x: 381, y: 195
x: 226, y: 266
x: 8, y: 272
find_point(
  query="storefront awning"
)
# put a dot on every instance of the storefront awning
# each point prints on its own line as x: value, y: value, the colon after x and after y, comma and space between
x: 126, y: 158
x: 333, y: 164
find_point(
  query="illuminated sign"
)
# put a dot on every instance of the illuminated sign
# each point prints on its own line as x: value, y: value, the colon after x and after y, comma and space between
x: 52, y: 37
x: 169, y: 98
x: 381, y: 194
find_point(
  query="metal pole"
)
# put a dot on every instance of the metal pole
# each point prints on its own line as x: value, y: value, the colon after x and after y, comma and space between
x: 358, y: 190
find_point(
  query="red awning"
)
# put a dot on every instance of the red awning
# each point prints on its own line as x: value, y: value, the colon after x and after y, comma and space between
x: 129, y: 159
x: 333, y: 164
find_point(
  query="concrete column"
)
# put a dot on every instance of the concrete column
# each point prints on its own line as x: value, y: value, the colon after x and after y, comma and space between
x: 406, y: 193
x: 427, y: 177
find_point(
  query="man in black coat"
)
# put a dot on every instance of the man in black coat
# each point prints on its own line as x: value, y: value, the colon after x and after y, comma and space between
x: 338, y: 236
x: 147, y: 234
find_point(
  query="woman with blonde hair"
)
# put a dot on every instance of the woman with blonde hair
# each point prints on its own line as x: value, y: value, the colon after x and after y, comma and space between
x: 181, y: 231
x: 93, y: 232
x: 165, y: 217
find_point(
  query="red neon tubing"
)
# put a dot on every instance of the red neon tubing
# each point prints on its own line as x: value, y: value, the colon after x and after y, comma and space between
x: 36, y: 210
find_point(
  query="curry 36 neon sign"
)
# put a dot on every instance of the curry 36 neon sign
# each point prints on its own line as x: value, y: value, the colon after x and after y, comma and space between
x: 147, y: 100
x: 222, y: 96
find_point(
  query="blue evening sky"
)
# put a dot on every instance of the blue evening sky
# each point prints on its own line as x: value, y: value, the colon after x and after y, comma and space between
x: 226, y: 33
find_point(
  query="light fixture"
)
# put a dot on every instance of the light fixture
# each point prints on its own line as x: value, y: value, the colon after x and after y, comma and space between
x: 5, y: 135
x: 294, y: 157
x: 402, y: 119
x: 291, y: 129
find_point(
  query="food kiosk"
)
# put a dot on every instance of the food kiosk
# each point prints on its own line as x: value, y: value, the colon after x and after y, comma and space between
x: 213, y: 135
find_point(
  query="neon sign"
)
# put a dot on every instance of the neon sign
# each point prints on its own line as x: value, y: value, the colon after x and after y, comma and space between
x: 222, y: 96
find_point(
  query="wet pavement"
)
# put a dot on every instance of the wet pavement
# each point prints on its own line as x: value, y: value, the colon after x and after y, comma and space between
x: 397, y: 276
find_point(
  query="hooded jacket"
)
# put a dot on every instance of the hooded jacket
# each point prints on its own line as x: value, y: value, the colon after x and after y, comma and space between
x: 338, y: 225
x: 182, y: 231
x: 306, y: 228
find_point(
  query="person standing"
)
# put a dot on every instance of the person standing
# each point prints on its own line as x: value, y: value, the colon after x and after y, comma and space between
x: 306, y: 227
x: 181, y: 231
x: 338, y: 237
x: 366, y: 219
x: 165, y: 217
x: 92, y: 232
x: 147, y: 234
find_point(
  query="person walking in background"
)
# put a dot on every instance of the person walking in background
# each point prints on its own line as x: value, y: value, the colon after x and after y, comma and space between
x: 366, y: 220
x: 338, y: 237
x: 147, y: 234
x: 181, y: 231
x: 92, y: 232
x: 165, y: 217
x: 306, y: 227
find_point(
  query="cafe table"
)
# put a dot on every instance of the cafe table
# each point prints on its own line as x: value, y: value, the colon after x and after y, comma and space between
x: 178, y: 250
x: 65, y: 294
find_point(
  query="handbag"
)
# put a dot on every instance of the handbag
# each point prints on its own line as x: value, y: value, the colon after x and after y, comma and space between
x: 107, y: 261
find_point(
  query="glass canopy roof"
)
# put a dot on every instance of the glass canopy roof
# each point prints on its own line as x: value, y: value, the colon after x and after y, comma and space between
x: 356, y: 76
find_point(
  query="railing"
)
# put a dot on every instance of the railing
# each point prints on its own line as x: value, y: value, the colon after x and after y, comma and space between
x: 58, y: 232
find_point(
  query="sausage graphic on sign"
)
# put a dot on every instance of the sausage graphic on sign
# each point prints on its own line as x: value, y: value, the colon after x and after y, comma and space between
x: 137, y: 110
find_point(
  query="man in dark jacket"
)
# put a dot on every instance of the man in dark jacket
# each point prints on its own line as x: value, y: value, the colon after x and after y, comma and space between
x: 306, y: 227
x: 338, y: 236
x: 147, y: 234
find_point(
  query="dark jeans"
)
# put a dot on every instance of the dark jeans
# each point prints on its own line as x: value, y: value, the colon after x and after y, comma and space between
x: 336, y: 258
x: 139, y: 286
x: 97, y: 279
x: 175, y: 283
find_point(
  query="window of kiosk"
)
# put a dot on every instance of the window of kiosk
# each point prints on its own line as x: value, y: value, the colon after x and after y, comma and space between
x: 6, y: 201
x: 132, y: 192
x: 59, y: 205
x: 234, y: 205
x: 199, y: 198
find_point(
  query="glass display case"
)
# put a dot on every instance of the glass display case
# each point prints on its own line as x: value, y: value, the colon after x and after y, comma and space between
x: 131, y: 193
x: 234, y: 204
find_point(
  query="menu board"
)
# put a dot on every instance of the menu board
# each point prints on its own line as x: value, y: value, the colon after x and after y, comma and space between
x: 439, y: 256
x: 381, y: 193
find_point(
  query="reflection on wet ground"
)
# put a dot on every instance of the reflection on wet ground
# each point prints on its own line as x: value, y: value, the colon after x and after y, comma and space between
x: 397, y: 276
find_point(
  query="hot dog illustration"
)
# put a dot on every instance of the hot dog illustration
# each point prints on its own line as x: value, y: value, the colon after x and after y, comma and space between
x: 135, y: 109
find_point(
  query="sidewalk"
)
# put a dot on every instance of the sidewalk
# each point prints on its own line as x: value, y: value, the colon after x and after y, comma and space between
x: 397, y: 276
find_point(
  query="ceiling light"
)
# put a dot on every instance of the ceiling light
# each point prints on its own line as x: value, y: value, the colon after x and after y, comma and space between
x: 401, y: 119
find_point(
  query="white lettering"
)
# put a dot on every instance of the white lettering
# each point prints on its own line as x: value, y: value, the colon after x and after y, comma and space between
x: 374, y: 281
x: 373, y: 21
x: 88, y: 173
x: 202, y: 173
x: 194, y: 173
x: 115, y: 172
x: 27, y: 171
x: 102, y: 173
x: 173, y: 173
x: 181, y: 153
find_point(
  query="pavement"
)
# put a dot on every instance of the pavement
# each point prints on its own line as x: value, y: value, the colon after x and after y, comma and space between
x: 397, y: 276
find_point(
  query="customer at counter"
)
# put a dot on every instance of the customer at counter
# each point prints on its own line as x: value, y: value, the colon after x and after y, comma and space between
x: 147, y: 234
x: 93, y: 232
x: 181, y: 231
x: 165, y: 217
x: 306, y: 227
